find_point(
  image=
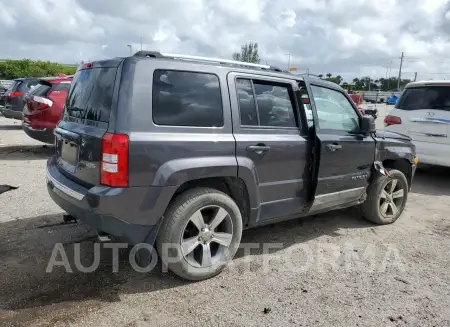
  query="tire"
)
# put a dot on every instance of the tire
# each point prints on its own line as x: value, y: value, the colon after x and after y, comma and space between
x: 178, y: 227
x: 372, y: 208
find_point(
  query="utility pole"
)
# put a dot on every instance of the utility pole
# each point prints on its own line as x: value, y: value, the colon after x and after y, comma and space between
x: 289, y: 60
x: 141, y: 43
x: 307, y: 71
x: 415, y: 76
x: 131, y: 49
x: 389, y: 79
x: 400, y: 72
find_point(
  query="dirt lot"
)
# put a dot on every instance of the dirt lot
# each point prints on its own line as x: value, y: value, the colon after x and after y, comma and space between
x: 322, y: 274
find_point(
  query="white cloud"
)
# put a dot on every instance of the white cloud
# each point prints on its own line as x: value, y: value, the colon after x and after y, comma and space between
x: 337, y: 36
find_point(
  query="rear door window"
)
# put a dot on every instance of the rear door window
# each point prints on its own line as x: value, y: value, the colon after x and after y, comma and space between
x: 265, y: 103
x: 91, y: 93
x: 429, y: 97
x: 186, y: 99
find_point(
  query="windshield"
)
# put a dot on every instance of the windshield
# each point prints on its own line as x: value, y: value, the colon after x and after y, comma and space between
x: 91, y: 93
x: 428, y: 97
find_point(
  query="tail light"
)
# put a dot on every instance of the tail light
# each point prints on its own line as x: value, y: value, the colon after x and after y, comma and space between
x: 15, y: 94
x: 392, y: 120
x: 114, y: 169
x: 44, y: 103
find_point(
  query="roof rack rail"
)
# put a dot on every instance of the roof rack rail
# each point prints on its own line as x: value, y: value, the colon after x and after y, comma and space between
x: 218, y: 60
x: 155, y: 54
x: 309, y: 74
x: 151, y: 54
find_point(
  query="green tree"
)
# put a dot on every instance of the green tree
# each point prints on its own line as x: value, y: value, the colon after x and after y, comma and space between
x: 11, y: 69
x: 329, y: 75
x: 249, y: 53
x: 320, y: 75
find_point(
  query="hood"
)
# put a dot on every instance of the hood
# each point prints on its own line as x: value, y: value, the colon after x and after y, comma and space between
x: 391, y: 135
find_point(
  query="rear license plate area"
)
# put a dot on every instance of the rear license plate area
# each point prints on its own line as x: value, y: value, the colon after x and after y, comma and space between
x: 67, y: 152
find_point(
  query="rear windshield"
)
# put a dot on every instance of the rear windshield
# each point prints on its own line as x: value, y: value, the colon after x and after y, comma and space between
x: 428, y: 97
x: 15, y: 86
x: 40, y: 89
x: 90, y: 96
x: 63, y: 86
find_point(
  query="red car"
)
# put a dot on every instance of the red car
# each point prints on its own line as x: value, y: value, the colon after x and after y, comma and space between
x: 44, y: 106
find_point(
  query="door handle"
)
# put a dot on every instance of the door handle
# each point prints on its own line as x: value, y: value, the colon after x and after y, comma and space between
x: 259, y: 148
x: 334, y: 147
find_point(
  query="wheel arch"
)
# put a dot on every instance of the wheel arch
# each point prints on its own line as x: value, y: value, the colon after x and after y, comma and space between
x: 402, y: 165
x: 233, y: 186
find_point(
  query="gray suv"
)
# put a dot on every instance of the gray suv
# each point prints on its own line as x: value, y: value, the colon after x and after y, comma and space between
x: 189, y: 151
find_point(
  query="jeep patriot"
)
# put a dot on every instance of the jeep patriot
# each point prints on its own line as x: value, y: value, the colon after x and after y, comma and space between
x: 175, y: 149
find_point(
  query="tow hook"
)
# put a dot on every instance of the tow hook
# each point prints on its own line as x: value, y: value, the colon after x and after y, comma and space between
x: 379, y: 167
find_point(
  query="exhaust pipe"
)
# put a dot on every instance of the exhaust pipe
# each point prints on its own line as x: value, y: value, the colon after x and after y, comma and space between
x: 69, y: 219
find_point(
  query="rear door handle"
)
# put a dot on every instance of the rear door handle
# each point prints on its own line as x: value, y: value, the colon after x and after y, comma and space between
x: 334, y: 147
x: 259, y: 149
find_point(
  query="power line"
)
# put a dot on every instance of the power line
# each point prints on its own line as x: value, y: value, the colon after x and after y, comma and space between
x: 429, y: 73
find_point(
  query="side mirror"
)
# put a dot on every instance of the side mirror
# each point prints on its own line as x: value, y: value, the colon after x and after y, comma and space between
x: 367, y: 125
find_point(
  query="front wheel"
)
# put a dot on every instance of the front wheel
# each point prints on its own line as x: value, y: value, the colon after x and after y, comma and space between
x: 386, y: 198
x: 201, y: 232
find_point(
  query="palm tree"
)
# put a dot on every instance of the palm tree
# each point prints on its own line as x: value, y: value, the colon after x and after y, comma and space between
x: 320, y: 75
x: 329, y: 75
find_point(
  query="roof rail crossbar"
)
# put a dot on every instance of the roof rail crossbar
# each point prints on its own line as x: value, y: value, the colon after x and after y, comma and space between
x: 218, y: 60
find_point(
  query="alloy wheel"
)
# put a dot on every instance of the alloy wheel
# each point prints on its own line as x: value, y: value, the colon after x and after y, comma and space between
x: 391, y: 198
x: 207, y: 236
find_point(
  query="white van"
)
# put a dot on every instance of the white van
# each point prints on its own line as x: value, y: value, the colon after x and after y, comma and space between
x: 423, y: 113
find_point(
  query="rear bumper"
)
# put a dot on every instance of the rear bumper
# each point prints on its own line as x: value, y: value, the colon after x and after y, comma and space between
x: 44, y: 135
x: 133, y: 213
x: 433, y: 153
x: 8, y: 113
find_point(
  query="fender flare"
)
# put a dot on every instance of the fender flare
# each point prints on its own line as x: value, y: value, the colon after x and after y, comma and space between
x: 179, y: 171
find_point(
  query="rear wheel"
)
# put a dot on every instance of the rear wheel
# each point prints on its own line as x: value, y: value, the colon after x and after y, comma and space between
x: 386, y: 198
x: 201, y: 231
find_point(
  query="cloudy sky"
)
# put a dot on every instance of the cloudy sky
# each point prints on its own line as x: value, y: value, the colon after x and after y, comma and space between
x: 346, y: 37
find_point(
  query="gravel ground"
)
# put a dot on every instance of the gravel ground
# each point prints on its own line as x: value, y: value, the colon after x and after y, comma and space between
x: 333, y: 269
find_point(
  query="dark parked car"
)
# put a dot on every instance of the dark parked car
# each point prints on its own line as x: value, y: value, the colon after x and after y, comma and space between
x: 5, y: 87
x: 15, y: 95
x: 189, y: 151
x: 43, y: 107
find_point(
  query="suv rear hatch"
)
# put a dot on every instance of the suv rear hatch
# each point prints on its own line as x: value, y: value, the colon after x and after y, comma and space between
x: 428, y: 107
x: 81, y: 132
x: 13, y: 93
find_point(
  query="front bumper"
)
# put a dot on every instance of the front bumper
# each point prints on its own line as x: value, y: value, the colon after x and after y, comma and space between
x: 44, y: 135
x: 125, y: 212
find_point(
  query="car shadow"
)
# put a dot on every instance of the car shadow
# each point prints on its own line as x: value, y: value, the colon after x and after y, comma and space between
x: 26, y: 247
x: 431, y: 180
x: 10, y: 127
x: 26, y: 152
